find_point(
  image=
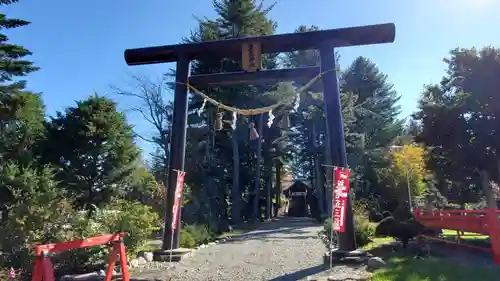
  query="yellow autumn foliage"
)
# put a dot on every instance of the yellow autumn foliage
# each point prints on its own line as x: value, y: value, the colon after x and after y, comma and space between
x: 408, y: 163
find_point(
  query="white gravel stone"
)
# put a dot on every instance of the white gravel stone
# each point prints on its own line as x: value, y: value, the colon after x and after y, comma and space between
x: 134, y: 263
x: 148, y: 256
x: 288, y: 249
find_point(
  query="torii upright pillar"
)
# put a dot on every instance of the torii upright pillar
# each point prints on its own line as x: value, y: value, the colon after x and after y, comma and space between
x: 324, y: 40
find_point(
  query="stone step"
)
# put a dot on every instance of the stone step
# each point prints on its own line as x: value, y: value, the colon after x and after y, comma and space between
x: 175, y: 255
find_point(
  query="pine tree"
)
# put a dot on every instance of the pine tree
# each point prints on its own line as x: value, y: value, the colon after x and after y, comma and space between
x: 12, y: 62
x: 235, y: 18
x: 376, y: 119
x: 21, y: 112
x: 21, y: 122
x: 379, y: 121
x: 93, y: 149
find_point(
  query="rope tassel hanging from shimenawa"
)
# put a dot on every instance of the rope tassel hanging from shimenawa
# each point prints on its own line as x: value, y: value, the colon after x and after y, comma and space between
x: 253, y: 132
x: 200, y: 110
x: 233, y: 122
x: 270, y: 119
x: 218, y: 121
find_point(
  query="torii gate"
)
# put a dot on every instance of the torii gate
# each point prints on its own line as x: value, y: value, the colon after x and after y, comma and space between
x: 249, y: 49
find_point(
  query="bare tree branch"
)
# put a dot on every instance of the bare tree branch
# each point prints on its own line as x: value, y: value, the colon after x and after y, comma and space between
x: 150, y: 102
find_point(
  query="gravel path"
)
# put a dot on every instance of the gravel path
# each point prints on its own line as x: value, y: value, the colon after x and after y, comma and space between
x: 281, y: 250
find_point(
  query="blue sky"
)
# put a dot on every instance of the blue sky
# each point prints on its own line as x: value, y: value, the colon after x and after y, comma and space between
x: 79, y: 44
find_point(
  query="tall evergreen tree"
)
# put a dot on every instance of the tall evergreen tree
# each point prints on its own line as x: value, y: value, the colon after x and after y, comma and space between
x: 21, y: 113
x: 376, y: 120
x: 460, y: 125
x: 235, y: 18
x: 93, y: 149
x: 12, y: 61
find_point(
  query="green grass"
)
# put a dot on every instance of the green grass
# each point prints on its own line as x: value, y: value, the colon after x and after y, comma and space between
x: 466, y: 236
x: 432, y: 269
x: 473, y: 239
x: 377, y: 242
x: 406, y: 268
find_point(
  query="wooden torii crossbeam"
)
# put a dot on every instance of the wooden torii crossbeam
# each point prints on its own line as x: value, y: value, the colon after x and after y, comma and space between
x: 249, y: 50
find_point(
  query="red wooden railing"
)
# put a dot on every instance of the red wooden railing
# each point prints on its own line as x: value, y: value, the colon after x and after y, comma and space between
x: 44, y: 270
x: 486, y: 222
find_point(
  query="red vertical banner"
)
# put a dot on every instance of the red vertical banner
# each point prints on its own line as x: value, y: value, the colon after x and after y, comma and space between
x: 339, y: 198
x: 178, y: 197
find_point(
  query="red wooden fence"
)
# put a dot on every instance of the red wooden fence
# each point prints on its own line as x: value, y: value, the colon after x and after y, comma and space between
x: 44, y: 271
x: 486, y: 222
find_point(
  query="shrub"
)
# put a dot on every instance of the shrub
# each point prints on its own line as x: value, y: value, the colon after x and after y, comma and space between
x: 363, y: 229
x: 401, y: 230
x: 187, y: 240
x: 452, y: 206
x: 402, y: 212
x: 386, y: 214
x: 376, y: 217
x: 37, y: 214
x: 199, y: 233
x: 137, y: 220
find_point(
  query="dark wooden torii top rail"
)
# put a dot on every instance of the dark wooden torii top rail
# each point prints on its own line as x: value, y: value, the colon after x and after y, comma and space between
x: 342, y: 37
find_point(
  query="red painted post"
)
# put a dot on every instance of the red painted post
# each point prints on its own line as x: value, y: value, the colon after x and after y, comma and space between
x: 123, y: 261
x: 113, y: 254
x: 417, y: 217
x: 494, y: 229
x: 47, y: 269
x: 43, y: 269
x: 37, y: 271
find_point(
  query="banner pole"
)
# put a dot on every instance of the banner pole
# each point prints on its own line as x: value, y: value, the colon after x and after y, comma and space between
x: 176, y: 207
x: 340, y: 196
x: 332, y: 217
x: 171, y: 246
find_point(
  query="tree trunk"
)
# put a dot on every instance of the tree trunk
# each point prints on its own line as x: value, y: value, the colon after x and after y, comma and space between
x: 487, y: 189
x: 329, y: 177
x: 268, y: 168
x: 222, y: 222
x: 256, y: 202
x: 269, y: 200
x: 318, y: 183
x: 498, y: 170
x: 278, y: 188
x: 235, y: 190
x: 212, y: 189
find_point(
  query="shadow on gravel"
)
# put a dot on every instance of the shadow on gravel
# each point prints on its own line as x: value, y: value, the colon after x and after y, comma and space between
x: 301, y: 274
x: 288, y: 238
x: 262, y: 234
x: 274, y: 228
x: 287, y: 222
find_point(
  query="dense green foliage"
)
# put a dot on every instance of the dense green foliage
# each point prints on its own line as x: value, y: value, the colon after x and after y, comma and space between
x: 459, y: 125
x: 93, y: 150
x: 364, y: 232
x: 54, y: 174
x: 80, y: 173
x: 195, y: 234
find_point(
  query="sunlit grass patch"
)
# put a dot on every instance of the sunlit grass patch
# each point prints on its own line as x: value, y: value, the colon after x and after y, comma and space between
x: 470, y: 238
x: 466, y: 235
x: 432, y: 269
x: 377, y: 242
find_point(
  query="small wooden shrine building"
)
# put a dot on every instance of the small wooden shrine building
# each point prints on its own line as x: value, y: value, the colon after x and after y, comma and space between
x: 299, y: 197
